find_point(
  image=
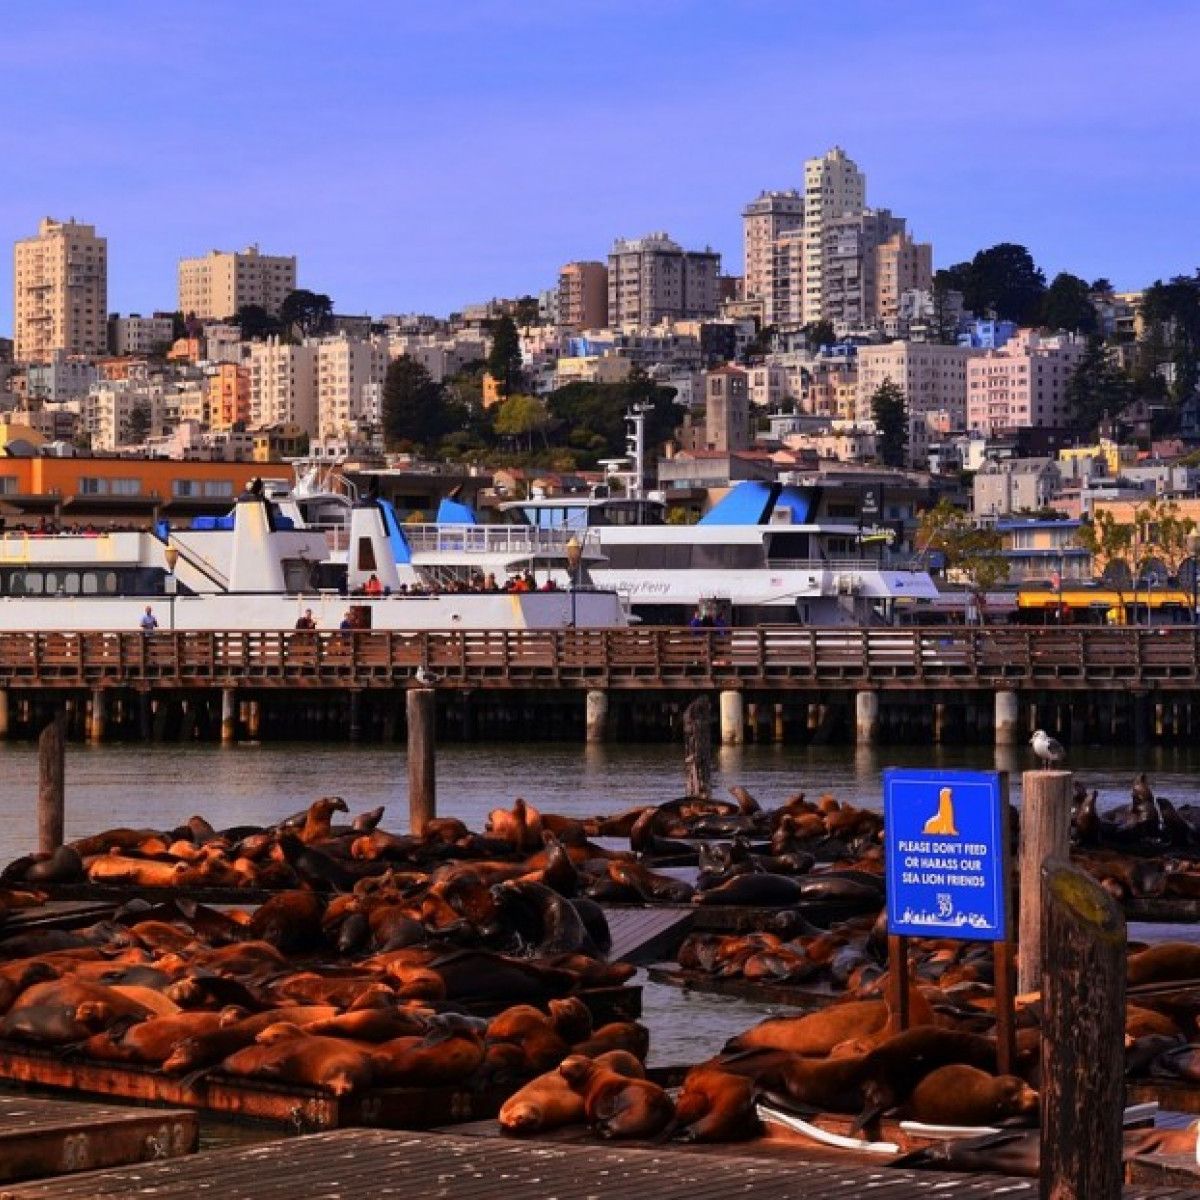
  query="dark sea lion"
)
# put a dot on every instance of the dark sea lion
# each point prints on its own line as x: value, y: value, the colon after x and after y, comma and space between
x: 753, y: 888
x: 480, y: 975
x: 714, y: 1106
x: 102, y: 843
x: 541, y: 920
x: 962, y: 1095
x: 316, y: 869
x: 64, y: 865
x: 548, y: 1102
x: 431, y: 1061
x: 572, y: 1019
x: 1164, y: 963
x: 594, y: 921
x: 289, y: 921
x: 333, y: 1064
x: 367, y: 822
x: 824, y: 1085
x: 66, y: 1010
x: 614, y: 1105
x: 650, y: 885
x: 645, y: 841
x: 616, y: 1035
x: 558, y: 871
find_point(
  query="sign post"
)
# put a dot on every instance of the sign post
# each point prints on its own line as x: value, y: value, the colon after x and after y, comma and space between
x: 947, y: 851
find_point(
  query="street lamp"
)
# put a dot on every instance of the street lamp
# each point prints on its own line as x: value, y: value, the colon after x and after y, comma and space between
x: 171, y: 554
x: 574, y: 552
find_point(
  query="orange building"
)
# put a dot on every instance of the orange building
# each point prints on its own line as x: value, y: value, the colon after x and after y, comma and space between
x: 122, y: 491
x: 229, y: 396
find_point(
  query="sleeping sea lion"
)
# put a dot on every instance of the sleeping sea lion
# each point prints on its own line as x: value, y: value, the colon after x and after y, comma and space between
x: 614, y: 1105
x: 962, y: 1095
x: 431, y: 1061
x: 714, y: 1106
x: 548, y: 1102
x: 290, y: 921
x: 334, y: 1064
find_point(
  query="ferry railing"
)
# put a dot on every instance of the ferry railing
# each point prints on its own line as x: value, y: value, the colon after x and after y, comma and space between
x: 775, y: 656
x: 515, y: 540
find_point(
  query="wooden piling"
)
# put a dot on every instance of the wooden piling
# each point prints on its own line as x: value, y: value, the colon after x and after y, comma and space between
x: 697, y: 748
x: 422, y: 733
x: 1083, y: 1031
x: 1045, y: 834
x: 52, y: 753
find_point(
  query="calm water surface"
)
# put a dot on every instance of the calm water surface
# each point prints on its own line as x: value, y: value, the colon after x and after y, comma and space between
x: 162, y: 785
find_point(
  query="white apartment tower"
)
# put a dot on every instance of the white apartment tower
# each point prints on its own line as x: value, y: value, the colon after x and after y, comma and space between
x: 833, y: 187
x: 214, y: 287
x: 60, y: 292
x: 350, y: 375
x: 283, y: 384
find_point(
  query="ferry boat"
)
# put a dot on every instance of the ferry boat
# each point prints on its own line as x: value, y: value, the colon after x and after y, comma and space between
x: 259, y: 569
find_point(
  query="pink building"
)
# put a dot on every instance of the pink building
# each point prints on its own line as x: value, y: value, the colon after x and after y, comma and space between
x: 1023, y: 384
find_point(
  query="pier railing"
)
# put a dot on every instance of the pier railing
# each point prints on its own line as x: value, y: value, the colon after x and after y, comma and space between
x: 774, y: 658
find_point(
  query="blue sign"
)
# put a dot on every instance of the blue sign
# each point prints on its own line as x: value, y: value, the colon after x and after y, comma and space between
x: 946, y: 838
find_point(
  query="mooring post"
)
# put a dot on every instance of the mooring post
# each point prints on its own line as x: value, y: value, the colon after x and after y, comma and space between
x: 595, y: 715
x: 356, y: 725
x: 697, y: 748
x: 52, y: 753
x: 1007, y: 718
x: 97, y: 720
x: 866, y: 717
x: 1083, y: 1037
x: 253, y: 720
x: 733, y: 718
x: 1045, y: 834
x: 422, y: 733
x: 228, y: 716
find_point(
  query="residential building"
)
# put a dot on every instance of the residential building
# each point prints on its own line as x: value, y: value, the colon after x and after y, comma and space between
x: 989, y: 334
x: 932, y: 377
x: 783, y: 304
x: 849, y: 265
x: 583, y: 296
x: 591, y: 368
x: 727, y: 427
x: 60, y: 291
x: 350, y: 377
x: 651, y: 279
x: 764, y: 221
x: 107, y: 412
x: 901, y: 266
x: 833, y: 187
x: 1024, y: 383
x: 215, y: 286
x: 228, y: 395
x: 136, y: 334
x: 1038, y: 550
x: 768, y: 383
x: 1020, y: 485
x: 61, y: 377
x: 283, y: 384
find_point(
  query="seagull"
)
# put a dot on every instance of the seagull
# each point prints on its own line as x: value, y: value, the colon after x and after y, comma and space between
x: 1049, y: 750
x: 425, y: 676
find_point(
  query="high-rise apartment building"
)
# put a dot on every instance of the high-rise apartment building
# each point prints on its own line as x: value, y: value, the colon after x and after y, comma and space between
x: 228, y: 395
x: 283, y: 384
x: 60, y: 291
x: 1022, y: 384
x: 651, y: 279
x: 214, y: 287
x: 764, y: 221
x: 350, y: 375
x: 582, y: 296
x: 901, y: 265
x: 833, y: 187
x: 848, y: 266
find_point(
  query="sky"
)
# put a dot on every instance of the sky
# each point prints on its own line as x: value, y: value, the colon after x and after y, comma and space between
x: 419, y: 157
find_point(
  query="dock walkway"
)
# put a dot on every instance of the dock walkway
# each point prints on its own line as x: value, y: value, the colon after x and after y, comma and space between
x: 357, y: 1165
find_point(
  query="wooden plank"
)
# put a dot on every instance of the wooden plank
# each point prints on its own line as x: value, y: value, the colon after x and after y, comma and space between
x: 41, y: 1137
x: 645, y: 935
x: 793, y: 995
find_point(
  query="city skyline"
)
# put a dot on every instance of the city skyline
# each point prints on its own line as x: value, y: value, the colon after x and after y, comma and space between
x: 433, y: 160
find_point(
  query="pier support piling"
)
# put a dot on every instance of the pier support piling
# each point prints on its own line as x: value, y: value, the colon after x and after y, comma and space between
x: 3, y: 713
x: 733, y: 719
x: 253, y: 719
x: 228, y: 716
x: 596, y: 716
x: 866, y: 718
x: 97, y: 717
x: 356, y: 721
x: 1008, y: 718
x: 697, y: 748
x: 1045, y: 835
x: 52, y: 753
x: 421, y: 714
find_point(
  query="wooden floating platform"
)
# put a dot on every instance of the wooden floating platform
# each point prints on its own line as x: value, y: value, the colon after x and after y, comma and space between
x: 795, y: 996
x: 1164, y: 909
x: 298, y: 1108
x: 645, y: 935
x: 54, y: 1137
x: 748, y: 918
x: 366, y: 1165
x: 54, y: 914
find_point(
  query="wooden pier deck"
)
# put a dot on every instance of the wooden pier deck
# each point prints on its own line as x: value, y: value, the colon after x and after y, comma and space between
x: 357, y: 1165
x: 779, y: 658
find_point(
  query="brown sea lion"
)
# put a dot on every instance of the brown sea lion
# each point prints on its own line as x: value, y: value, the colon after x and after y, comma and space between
x: 1164, y: 963
x: 962, y: 1095
x: 522, y: 827
x: 614, y: 1105
x: 199, y: 1051
x: 548, y: 1102
x: 374, y: 1024
x: 714, y: 1106
x: 66, y: 1010
x: 318, y: 821
x: 431, y: 1061
x: 650, y: 885
x: 616, y: 1035
x: 333, y: 1064
x: 153, y: 1041
x: 290, y: 921
x: 116, y: 868
x: 1013, y: 1152
x: 572, y: 1019
x: 102, y: 843
x: 63, y: 865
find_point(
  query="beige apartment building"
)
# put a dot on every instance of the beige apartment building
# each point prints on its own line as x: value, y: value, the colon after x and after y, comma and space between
x: 1022, y: 384
x: 934, y: 381
x: 901, y: 265
x: 764, y: 221
x: 833, y: 187
x: 283, y: 384
x: 60, y: 292
x: 652, y: 279
x: 350, y: 375
x: 583, y: 296
x: 214, y: 287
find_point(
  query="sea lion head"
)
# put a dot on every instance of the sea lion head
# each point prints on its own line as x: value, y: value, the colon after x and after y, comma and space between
x: 95, y: 1014
x: 577, y: 1069
x: 231, y: 1014
x: 571, y: 1018
x: 1015, y: 1098
x: 524, y: 1117
x: 281, y: 1031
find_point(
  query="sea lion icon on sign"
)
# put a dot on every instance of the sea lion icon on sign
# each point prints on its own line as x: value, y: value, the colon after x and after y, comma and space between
x: 941, y: 824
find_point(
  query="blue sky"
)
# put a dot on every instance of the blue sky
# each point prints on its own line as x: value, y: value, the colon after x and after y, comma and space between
x: 419, y: 156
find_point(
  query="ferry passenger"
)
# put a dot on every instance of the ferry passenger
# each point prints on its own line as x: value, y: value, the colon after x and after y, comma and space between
x: 308, y: 621
x: 347, y: 621
x: 149, y: 621
x: 373, y: 587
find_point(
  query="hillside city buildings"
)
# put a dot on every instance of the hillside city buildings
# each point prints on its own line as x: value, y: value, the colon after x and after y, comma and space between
x: 217, y: 285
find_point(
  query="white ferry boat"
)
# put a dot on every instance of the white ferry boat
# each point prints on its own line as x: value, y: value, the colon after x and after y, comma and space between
x: 259, y: 569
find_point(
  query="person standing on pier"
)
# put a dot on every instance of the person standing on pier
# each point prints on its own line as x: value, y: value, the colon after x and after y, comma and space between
x: 149, y: 621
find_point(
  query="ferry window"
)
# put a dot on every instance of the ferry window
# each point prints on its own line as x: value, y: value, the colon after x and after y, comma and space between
x: 91, y: 584
x: 70, y: 583
x: 726, y: 557
x: 108, y: 582
x: 366, y: 555
x: 53, y: 583
x: 789, y: 545
x: 676, y: 558
x: 33, y: 583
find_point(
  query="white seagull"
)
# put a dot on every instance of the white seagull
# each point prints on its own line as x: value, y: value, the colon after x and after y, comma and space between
x: 1049, y: 750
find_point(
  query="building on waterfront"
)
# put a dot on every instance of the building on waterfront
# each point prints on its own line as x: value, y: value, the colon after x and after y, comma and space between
x: 652, y: 279
x: 1024, y: 383
x: 217, y: 285
x: 1037, y: 550
x: 283, y: 383
x: 60, y: 291
x: 136, y: 334
x: 582, y: 296
x: 833, y: 187
x: 933, y: 379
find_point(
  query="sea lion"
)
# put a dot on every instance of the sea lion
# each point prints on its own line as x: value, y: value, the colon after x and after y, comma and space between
x: 66, y: 1010
x: 816, y: 1034
x: 962, y: 1095
x: 432, y: 1061
x: 714, y: 1106
x: 649, y: 885
x: 368, y: 821
x: 548, y: 1102
x: 314, y: 868
x: 1164, y: 963
x: 542, y: 921
x: 521, y: 828
x: 319, y: 818
x: 773, y: 891
x: 331, y: 1063
x: 289, y: 921
x: 594, y: 921
x: 63, y: 865
x: 571, y: 1018
x: 374, y: 1025
x: 116, y: 868
x: 154, y: 1040
x: 616, y: 1035
x: 200, y: 1051
x: 1016, y: 1152
x: 614, y: 1105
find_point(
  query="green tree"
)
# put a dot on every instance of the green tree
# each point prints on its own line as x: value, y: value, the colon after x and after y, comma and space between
x: 306, y: 314
x: 971, y: 553
x: 1164, y: 533
x: 819, y: 333
x: 1067, y: 305
x: 1171, y: 311
x: 1097, y: 388
x: 1002, y: 280
x: 138, y: 424
x: 527, y: 311
x: 1110, y: 544
x: 946, y: 293
x: 413, y: 408
x: 521, y: 417
x: 889, y: 410
x: 593, y: 414
x: 255, y: 322
x: 504, y: 358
